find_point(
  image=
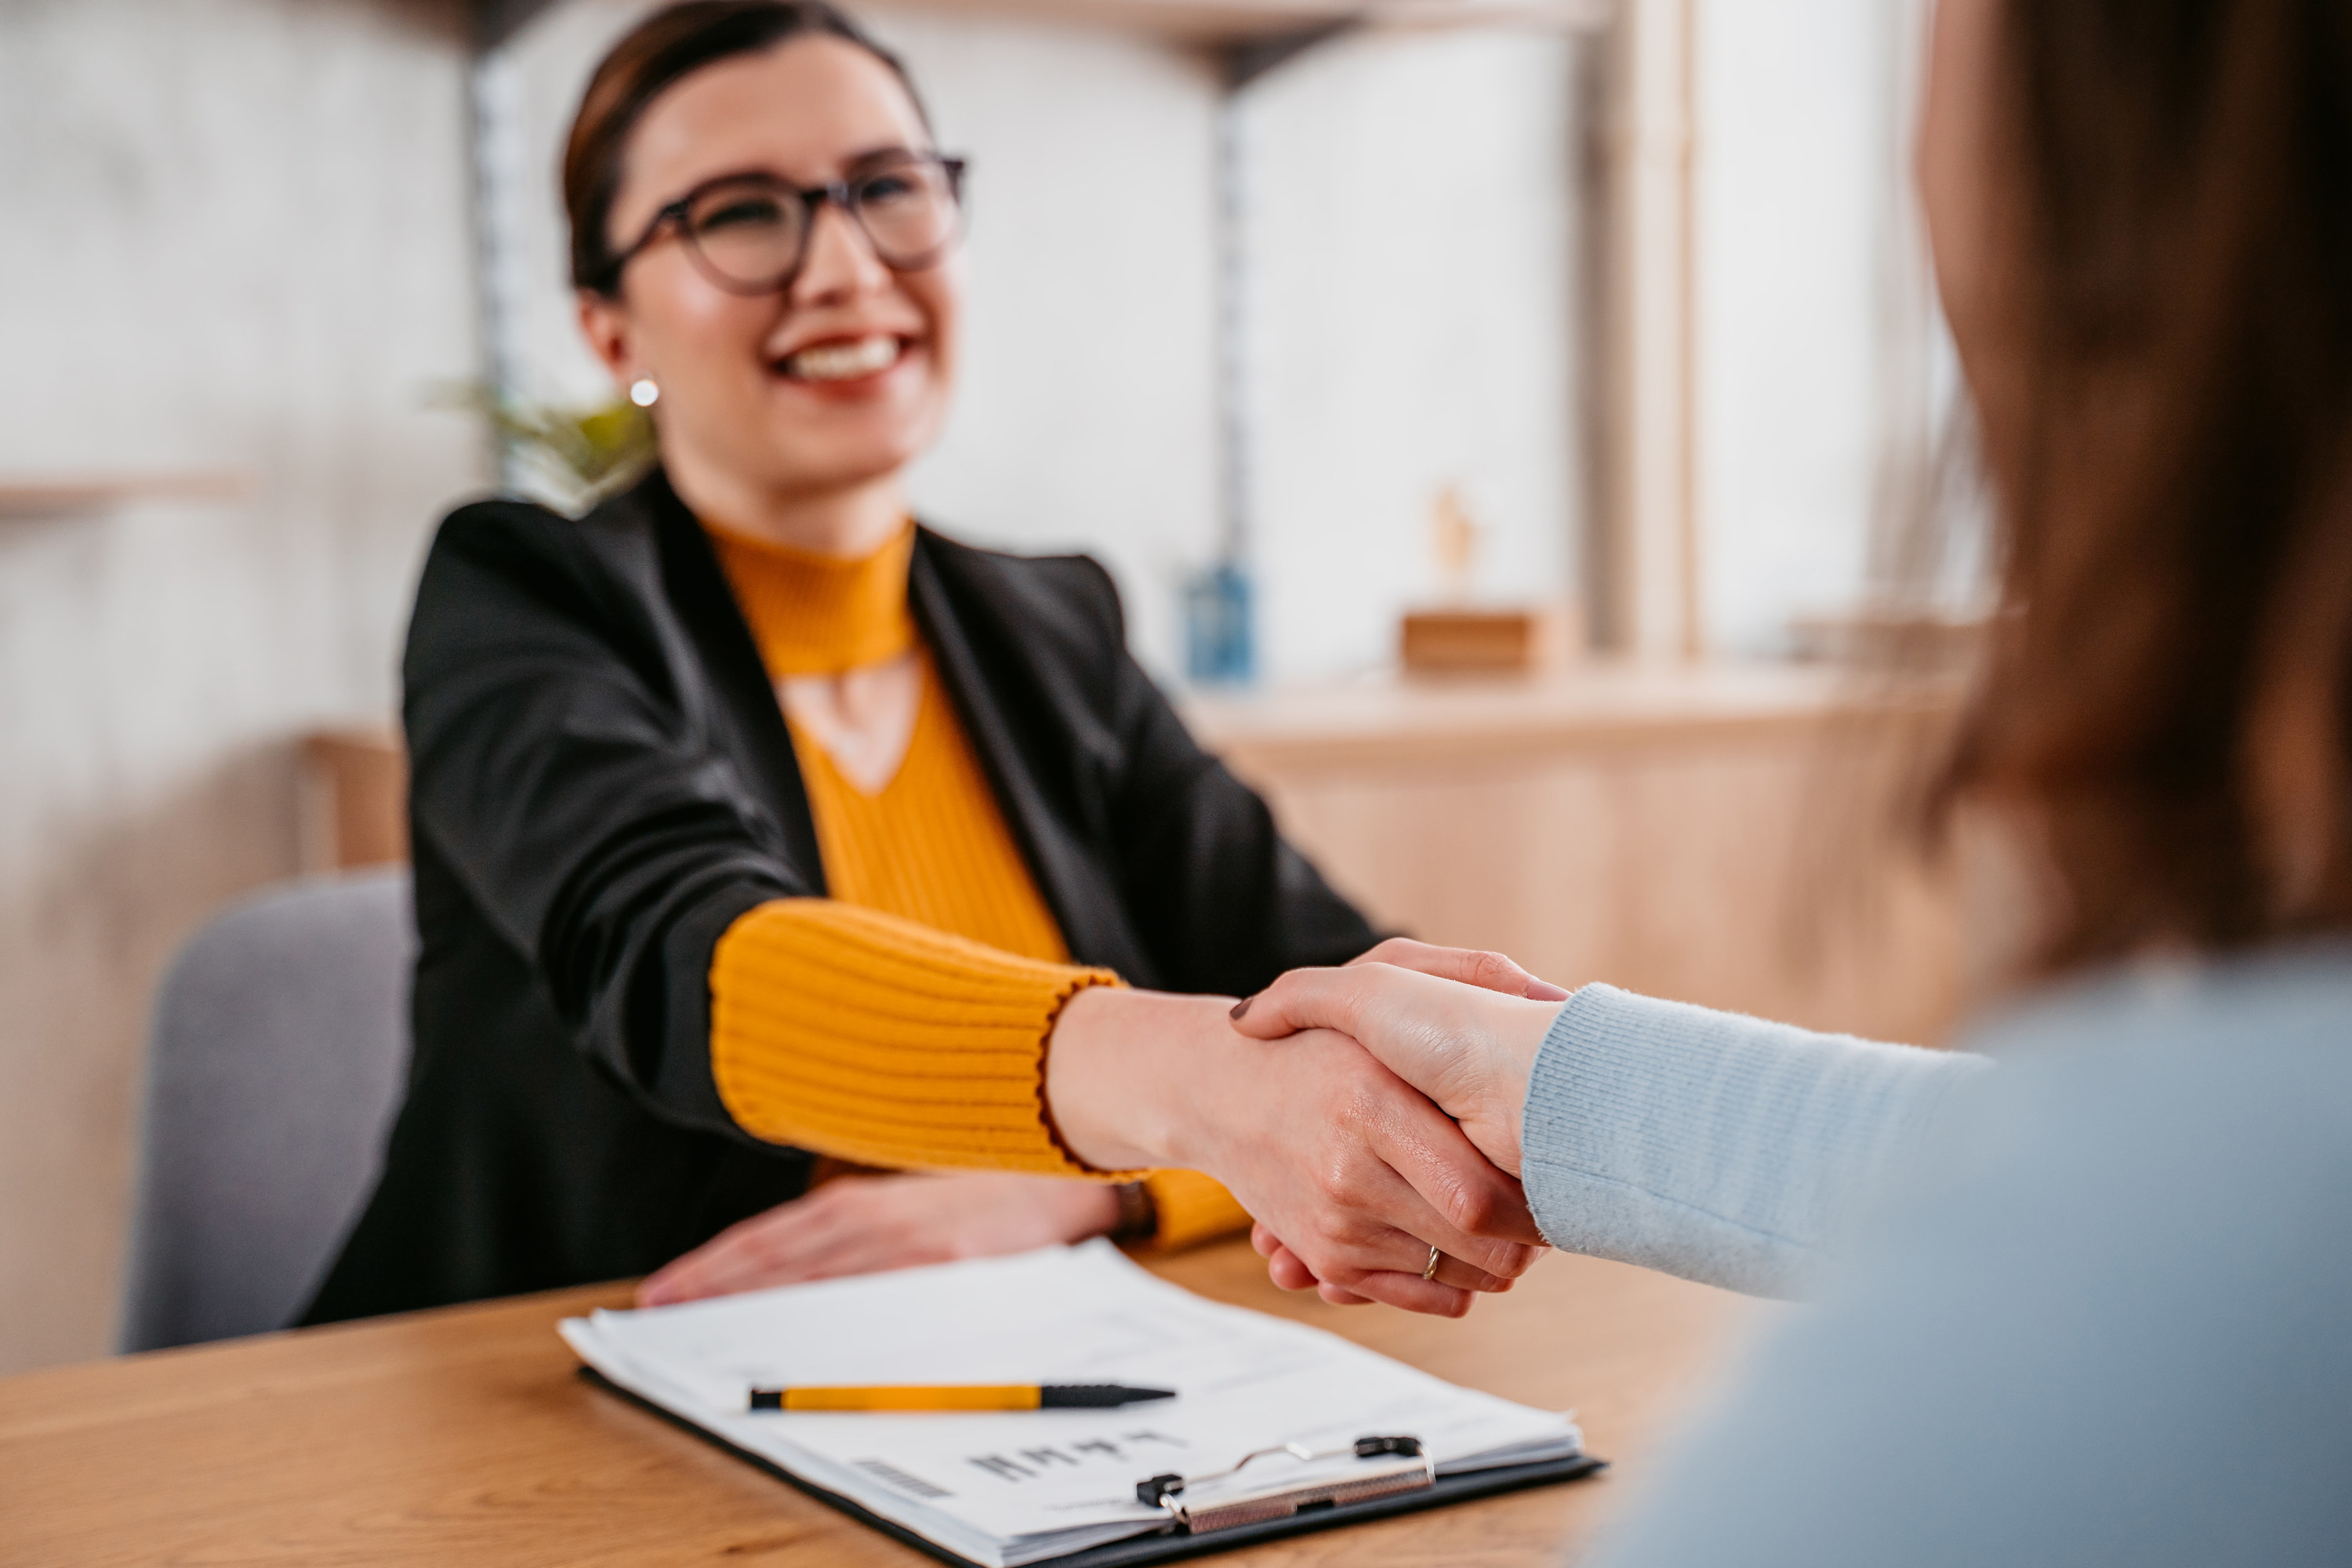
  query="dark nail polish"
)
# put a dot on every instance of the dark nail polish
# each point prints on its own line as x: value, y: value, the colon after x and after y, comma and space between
x: 1241, y: 1007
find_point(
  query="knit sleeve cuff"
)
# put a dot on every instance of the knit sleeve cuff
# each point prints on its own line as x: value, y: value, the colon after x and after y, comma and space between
x: 1192, y: 1208
x: 876, y: 1039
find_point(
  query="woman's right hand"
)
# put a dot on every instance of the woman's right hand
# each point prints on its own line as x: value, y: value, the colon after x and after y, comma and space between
x: 1357, y: 1172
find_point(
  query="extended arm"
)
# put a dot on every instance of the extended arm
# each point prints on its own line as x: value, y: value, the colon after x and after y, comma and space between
x: 1714, y: 1146
x: 1705, y: 1144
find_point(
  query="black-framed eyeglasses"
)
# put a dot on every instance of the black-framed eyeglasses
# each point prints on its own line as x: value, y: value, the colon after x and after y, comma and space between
x: 749, y: 234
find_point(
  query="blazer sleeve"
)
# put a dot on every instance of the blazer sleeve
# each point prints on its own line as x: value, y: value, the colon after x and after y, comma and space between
x: 558, y: 766
x: 1220, y: 898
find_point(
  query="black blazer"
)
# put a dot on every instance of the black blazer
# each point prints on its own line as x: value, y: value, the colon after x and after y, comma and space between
x: 602, y: 781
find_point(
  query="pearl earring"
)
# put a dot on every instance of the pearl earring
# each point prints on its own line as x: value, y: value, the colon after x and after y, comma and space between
x: 644, y: 392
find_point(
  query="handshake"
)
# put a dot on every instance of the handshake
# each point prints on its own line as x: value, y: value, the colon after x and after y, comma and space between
x: 1367, y: 1116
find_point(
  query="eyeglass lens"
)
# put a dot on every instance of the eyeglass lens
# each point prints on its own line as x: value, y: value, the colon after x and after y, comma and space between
x: 750, y: 234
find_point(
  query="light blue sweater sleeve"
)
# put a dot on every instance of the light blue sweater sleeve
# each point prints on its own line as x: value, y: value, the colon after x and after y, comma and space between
x: 1712, y: 1146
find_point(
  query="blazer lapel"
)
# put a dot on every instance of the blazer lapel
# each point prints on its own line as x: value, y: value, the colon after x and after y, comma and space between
x: 706, y: 608
x: 1076, y: 882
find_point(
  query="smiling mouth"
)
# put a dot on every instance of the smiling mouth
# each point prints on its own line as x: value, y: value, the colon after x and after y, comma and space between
x: 845, y: 361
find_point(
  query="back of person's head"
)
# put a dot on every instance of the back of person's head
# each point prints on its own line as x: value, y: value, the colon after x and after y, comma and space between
x: 2168, y: 424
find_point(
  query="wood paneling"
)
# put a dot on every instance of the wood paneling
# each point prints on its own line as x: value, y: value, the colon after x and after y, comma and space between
x: 464, y: 1436
x: 354, y: 800
x: 1720, y: 836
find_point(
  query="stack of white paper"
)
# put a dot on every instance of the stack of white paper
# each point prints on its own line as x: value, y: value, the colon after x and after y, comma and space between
x: 1007, y: 1489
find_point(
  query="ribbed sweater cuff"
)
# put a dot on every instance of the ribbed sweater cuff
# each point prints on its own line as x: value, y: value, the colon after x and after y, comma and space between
x: 1192, y: 1208
x: 876, y: 1039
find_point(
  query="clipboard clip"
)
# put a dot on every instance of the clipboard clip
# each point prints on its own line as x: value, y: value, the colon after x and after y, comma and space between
x: 1385, y: 1467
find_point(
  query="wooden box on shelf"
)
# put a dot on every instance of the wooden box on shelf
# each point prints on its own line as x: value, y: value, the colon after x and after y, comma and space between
x: 1486, y: 640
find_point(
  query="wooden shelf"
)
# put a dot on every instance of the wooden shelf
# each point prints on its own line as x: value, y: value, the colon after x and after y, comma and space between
x: 1220, y: 22
x: 1203, y: 23
x: 1596, y: 707
x: 75, y: 495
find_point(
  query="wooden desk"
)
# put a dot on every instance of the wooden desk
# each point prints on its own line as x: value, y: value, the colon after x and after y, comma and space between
x: 464, y: 1436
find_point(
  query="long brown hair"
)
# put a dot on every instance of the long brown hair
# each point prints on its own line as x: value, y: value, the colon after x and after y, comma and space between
x: 654, y: 57
x: 2167, y: 696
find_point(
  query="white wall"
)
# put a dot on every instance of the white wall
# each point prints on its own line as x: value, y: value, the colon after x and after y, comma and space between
x: 1804, y: 369
x: 236, y: 238
x: 1087, y: 416
x: 1412, y: 254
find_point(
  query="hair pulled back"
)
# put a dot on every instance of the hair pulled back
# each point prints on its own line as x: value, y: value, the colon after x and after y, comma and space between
x: 654, y: 57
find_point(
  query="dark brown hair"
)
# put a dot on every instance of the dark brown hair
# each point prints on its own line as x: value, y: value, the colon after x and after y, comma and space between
x: 2168, y: 698
x: 656, y: 55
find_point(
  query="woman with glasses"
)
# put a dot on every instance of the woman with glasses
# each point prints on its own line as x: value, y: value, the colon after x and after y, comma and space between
x: 758, y: 828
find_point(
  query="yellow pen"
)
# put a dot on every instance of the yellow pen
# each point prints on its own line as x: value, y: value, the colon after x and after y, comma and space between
x: 968, y: 1397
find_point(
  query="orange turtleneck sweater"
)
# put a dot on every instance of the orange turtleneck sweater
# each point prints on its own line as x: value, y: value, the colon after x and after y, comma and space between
x: 902, y: 1021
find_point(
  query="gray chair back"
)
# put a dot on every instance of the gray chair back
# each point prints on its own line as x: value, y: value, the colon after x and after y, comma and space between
x: 278, y: 1059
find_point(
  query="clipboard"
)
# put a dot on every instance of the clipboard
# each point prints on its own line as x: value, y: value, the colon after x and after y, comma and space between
x: 1169, y: 1544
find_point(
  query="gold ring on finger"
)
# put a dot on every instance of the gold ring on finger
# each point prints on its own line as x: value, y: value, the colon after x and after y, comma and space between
x: 1429, y: 1269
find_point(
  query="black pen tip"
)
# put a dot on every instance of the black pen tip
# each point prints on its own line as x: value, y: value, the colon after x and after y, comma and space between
x: 1096, y: 1395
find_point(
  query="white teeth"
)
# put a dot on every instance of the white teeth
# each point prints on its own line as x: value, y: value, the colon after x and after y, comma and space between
x: 844, y: 362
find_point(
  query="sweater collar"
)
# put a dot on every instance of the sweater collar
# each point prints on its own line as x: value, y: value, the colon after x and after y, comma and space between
x: 820, y: 615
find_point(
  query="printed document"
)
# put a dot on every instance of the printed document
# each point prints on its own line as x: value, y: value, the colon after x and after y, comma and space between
x: 1012, y: 1489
